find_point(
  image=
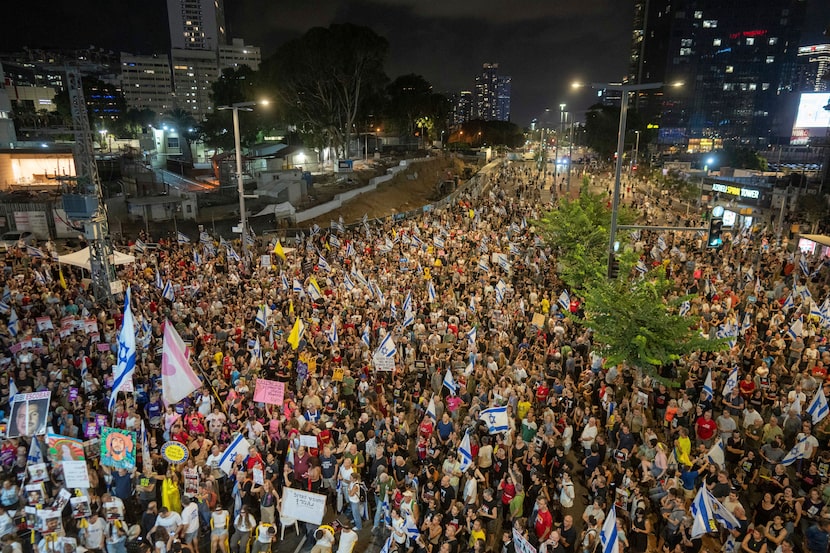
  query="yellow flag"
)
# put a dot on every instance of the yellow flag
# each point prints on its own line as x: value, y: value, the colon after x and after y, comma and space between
x: 291, y: 307
x: 313, y: 282
x: 296, y: 333
x: 278, y: 251
x: 61, y: 279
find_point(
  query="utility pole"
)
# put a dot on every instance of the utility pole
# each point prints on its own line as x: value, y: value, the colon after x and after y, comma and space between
x: 570, y: 155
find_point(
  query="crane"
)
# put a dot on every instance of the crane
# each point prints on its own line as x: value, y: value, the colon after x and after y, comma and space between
x: 83, y: 200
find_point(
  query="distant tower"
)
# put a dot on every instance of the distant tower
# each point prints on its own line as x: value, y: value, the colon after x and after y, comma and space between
x: 196, y: 24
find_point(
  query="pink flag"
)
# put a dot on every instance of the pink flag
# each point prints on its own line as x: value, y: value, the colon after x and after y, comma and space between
x: 177, y: 378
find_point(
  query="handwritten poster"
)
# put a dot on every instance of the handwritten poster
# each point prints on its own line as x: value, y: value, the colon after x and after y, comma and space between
x: 269, y: 391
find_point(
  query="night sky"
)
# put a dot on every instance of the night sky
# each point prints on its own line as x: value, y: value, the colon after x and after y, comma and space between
x: 543, y: 44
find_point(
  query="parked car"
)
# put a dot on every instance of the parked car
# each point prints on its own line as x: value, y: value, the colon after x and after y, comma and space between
x: 16, y: 238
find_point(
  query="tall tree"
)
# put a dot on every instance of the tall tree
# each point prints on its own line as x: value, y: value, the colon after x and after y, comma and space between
x: 237, y: 85
x: 326, y: 78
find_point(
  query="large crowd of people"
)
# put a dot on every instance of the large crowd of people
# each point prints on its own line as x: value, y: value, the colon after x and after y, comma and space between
x: 470, y: 297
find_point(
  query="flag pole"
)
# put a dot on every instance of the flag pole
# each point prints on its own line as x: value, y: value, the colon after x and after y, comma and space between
x: 212, y: 389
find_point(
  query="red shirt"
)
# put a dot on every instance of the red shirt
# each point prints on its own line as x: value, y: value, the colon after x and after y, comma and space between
x: 706, y: 429
x: 543, y: 524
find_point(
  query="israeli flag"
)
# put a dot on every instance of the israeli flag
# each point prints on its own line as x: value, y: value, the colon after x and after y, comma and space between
x: 431, y: 291
x: 261, y: 318
x: 411, y: 527
x: 14, y: 324
x: 365, y: 336
x: 496, y: 419
x: 140, y: 246
x: 685, y: 307
x: 387, y: 546
x: 746, y: 324
x: 408, y: 318
x: 256, y: 352
x: 284, y: 281
x: 125, y: 368
x: 431, y: 409
x: 315, y: 229
x: 716, y: 453
x: 564, y: 300
x: 661, y: 244
x: 407, y: 301
x: 4, y: 307
x: 514, y: 249
x: 350, y: 251
x: 802, y: 263
x: 232, y: 254
x: 796, y: 453
x: 182, y: 238
x: 731, y: 382
x: 387, y: 346
x: 35, y: 453
x: 393, y: 310
x: 12, y: 390
x: 238, y: 448
x: 708, y: 393
x: 641, y: 267
x: 449, y: 382
x: 796, y: 329
x: 818, y: 408
x: 167, y: 292
x: 608, y: 536
x: 323, y: 264
x: 360, y: 278
x: 501, y: 288
x: 334, y: 241
x: 159, y: 282
x: 197, y: 259
x: 297, y: 287
x: 348, y: 283
x: 35, y: 252
x: 465, y: 451
x: 804, y: 292
x: 332, y: 333
x: 471, y: 337
x: 788, y: 303
x: 504, y: 263
x: 483, y: 265
x: 706, y: 510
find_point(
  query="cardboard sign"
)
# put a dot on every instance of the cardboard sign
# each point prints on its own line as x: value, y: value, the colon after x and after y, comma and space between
x: 538, y: 320
x: 118, y: 448
x: 75, y: 474
x: 269, y: 391
x: 337, y: 375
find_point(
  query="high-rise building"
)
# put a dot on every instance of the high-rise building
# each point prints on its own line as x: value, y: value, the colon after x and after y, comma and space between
x: 492, y: 94
x: 7, y: 134
x: 194, y: 71
x: 147, y: 82
x: 462, y: 107
x: 737, y: 61
x: 237, y: 53
x: 814, y: 68
x: 196, y: 24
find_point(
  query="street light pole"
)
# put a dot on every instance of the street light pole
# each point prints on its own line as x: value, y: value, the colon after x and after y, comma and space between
x: 570, y: 155
x: 636, y: 149
x: 237, y: 143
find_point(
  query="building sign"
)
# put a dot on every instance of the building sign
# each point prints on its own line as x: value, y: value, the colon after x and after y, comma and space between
x: 736, y: 191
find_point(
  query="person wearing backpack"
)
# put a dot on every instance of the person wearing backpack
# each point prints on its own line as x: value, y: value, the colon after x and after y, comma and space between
x: 590, y: 536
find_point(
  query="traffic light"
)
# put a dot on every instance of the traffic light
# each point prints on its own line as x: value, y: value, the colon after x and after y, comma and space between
x: 715, y: 239
x: 613, y: 266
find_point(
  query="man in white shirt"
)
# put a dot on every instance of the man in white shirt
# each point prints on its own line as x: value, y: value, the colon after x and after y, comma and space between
x: 167, y: 519
x: 344, y: 477
x: 348, y: 538
x: 190, y: 521
x: 6, y: 523
x: 92, y: 537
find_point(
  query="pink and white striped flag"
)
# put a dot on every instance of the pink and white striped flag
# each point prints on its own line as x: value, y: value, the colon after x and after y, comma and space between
x: 177, y: 378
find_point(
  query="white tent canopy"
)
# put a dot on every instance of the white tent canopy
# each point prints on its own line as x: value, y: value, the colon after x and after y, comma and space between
x: 81, y: 259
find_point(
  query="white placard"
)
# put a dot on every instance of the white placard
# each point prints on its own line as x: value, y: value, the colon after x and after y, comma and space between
x: 383, y: 363
x: 75, y: 474
x: 308, y: 440
x: 302, y: 505
x: 521, y: 544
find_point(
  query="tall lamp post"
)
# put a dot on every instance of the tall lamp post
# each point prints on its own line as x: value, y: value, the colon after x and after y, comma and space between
x: 625, y: 90
x: 556, y: 152
x: 243, y: 219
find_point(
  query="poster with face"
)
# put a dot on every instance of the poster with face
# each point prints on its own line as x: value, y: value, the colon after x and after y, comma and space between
x: 50, y: 521
x: 118, y: 448
x: 29, y: 415
x: 34, y: 494
x: 61, y: 448
x: 80, y: 507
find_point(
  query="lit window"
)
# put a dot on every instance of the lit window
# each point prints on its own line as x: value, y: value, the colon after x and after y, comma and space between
x: 698, y: 15
x: 753, y: 86
x: 729, y: 69
x: 770, y: 59
x: 685, y: 42
x: 685, y: 51
x: 765, y: 86
x: 710, y: 24
x: 773, y: 41
x: 750, y: 41
x: 716, y: 42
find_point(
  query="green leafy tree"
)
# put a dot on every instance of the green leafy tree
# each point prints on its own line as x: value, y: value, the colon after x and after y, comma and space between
x: 237, y: 85
x: 637, y: 327
x: 327, y: 78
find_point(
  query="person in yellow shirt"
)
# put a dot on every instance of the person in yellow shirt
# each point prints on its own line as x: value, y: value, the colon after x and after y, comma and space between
x: 683, y: 447
x: 545, y: 306
x: 522, y: 407
x: 477, y: 533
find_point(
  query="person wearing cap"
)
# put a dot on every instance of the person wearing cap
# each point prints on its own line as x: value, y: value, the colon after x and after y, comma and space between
x: 348, y: 538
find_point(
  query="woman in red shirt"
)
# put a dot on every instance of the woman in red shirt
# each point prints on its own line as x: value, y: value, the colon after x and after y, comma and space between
x: 747, y: 386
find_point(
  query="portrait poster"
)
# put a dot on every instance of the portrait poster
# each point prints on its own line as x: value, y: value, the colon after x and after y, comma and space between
x: 62, y: 448
x: 29, y: 415
x: 49, y: 521
x: 118, y: 448
x: 80, y: 507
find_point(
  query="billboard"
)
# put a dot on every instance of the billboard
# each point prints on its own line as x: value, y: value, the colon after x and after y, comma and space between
x: 811, y: 113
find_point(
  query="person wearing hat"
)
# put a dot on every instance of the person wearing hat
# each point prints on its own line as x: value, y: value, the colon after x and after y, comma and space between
x: 348, y: 538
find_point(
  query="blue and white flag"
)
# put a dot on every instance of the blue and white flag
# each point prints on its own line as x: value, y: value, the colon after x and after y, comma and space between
x: 431, y: 409
x: 796, y: 453
x: 483, y: 265
x: 564, y: 300
x: 746, y: 324
x: 514, y: 249
x: 431, y: 291
x: 35, y: 252
x: 331, y: 335
x: 387, y: 346
x: 661, y: 244
x: 12, y: 390
x: 496, y: 419
x: 685, y: 307
x: 641, y: 267
x: 387, y: 546
x: 504, y: 263
x: 438, y: 241
x: 716, y: 453
x: 706, y: 511
x: 297, y: 287
x: 818, y: 408
x: 348, y: 282
x: 205, y: 238
x: 796, y: 329
x: 365, y: 336
x: 501, y: 289
x: 731, y: 382
x: 408, y: 318
x: 125, y: 368
x: 140, y: 246
x: 232, y: 254
x: 167, y: 292
x: 323, y: 264
x: 4, y: 307
x: 471, y: 337
x: 465, y: 451
x: 197, y: 259
x: 261, y: 317
x: 407, y: 302
x: 284, y: 281
x: 802, y: 263
x: 788, y: 303
x: 35, y: 453
x: 708, y: 392
x: 238, y: 449
x: 608, y: 537
x: 411, y: 527
x: 315, y: 229
x: 449, y: 382
x: 182, y: 238
x: 159, y: 282
x: 14, y: 324
x: 334, y: 241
